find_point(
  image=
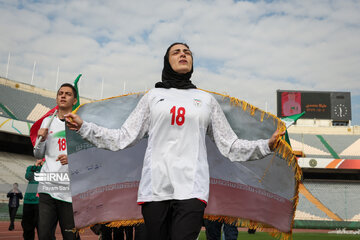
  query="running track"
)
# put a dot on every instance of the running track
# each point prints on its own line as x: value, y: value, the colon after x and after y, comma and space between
x: 16, y: 234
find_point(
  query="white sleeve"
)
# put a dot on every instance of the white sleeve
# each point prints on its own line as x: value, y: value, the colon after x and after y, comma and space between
x: 133, y: 129
x: 227, y: 141
x: 39, y: 151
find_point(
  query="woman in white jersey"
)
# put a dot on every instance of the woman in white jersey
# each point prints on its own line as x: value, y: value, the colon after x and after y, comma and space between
x: 174, y: 185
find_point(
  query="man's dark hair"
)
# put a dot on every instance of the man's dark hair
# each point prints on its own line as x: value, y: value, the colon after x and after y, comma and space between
x: 70, y: 86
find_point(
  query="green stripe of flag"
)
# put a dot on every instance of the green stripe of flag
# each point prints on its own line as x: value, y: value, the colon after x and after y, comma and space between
x: 77, y: 90
x: 290, y: 120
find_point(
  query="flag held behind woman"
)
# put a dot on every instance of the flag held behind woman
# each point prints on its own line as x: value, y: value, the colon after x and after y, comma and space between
x: 259, y: 193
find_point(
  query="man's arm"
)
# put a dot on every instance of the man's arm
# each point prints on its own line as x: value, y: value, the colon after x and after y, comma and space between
x: 39, y: 151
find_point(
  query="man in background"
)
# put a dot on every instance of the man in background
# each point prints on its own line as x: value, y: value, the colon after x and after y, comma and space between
x: 14, y: 196
x: 213, y: 230
x: 31, y: 203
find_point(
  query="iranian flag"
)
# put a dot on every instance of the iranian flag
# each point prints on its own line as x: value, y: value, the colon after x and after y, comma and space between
x: 290, y: 120
x: 260, y: 193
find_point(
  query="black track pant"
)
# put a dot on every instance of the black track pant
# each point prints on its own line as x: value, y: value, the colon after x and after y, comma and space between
x: 29, y: 220
x: 52, y: 210
x: 12, y: 214
x: 173, y: 219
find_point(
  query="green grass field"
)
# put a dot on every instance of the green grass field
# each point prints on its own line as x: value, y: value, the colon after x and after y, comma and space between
x: 296, y: 236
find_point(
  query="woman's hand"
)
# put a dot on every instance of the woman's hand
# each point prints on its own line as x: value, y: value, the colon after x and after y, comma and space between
x: 73, y: 121
x: 273, y: 141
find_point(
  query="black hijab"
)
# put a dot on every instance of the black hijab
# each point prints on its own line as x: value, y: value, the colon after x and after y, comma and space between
x: 172, y: 79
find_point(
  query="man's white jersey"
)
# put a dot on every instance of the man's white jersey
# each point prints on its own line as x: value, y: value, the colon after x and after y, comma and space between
x: 55, y: 176
x: 176, y: 120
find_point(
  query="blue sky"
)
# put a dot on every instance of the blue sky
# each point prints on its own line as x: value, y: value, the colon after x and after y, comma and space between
x: 247, y: 49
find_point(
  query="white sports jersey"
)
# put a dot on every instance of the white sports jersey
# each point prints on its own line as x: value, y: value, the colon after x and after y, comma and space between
x: 55, y: 181
x: 175, y: 164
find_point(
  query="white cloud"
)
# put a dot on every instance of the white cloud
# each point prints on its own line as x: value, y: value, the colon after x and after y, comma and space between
x: 247, y: 49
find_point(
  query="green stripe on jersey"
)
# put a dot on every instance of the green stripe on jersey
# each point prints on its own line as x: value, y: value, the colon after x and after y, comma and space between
x: 60, y: 134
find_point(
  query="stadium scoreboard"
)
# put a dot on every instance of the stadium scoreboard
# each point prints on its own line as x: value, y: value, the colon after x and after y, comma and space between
x: 334, y: 106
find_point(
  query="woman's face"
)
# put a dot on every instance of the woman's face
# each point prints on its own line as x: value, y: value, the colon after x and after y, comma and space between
x: 180, y: 58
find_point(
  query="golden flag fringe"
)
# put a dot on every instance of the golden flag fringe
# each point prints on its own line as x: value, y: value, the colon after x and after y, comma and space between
x: 122, y: 223
x: 117, y: 223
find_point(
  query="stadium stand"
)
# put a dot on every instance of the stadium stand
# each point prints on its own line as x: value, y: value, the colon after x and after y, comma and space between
x: 307, y: 149
x: 307, y: 211
x: 3, y: 111
x: 12, y: 169
x: 310, y: 140
x: 299, y: 215
x: 352, y: 150
x: 330, y: 196
x: 21, y: 103
x: 340, y: 198
x: 312, y: 146
x: 340, y: 144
